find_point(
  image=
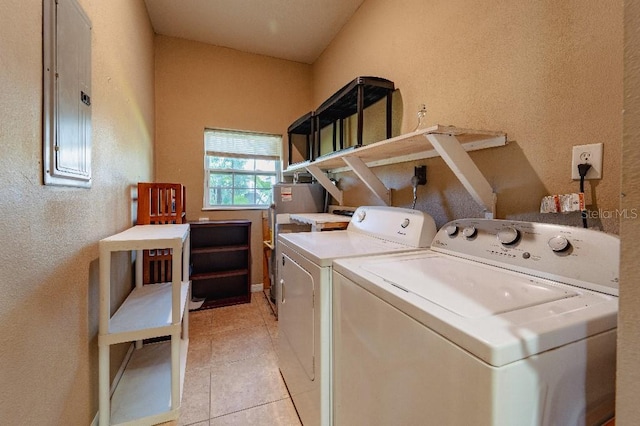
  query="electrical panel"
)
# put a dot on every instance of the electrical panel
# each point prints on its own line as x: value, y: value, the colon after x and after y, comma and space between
x: 67, y: 94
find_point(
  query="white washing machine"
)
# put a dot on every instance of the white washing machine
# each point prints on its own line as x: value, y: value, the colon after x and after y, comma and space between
x: 499, y: 323
x: 304, y: 302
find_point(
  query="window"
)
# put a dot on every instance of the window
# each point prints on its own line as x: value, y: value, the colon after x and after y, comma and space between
x: 240, y: 168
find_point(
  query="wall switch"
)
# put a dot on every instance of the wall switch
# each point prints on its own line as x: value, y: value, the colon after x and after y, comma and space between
x: 590, y: 154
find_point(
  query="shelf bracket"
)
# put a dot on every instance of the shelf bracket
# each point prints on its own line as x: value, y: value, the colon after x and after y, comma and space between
x: 465, y: 170
x: 326, y: 183
x: 369, y: 178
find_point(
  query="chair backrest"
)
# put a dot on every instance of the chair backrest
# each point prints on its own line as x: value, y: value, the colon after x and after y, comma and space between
x: 161, y: 203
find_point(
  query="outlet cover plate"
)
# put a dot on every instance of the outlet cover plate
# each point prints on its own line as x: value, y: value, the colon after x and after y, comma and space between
x: 591, y: 154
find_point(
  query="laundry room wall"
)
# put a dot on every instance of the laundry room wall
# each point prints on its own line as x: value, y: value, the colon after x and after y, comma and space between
x: 547, y: 73
x: 202, y: 86
x: 49, y: 253
x: 628, y: 374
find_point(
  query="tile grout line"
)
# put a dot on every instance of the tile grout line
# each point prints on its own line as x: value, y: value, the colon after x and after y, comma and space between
x: 256, y: 307
x: 250, y: 408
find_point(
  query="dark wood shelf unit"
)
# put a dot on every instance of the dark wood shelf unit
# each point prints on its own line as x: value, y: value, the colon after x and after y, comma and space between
x: 219, y: 274
x: 221, y: 262
x: 220, y: 249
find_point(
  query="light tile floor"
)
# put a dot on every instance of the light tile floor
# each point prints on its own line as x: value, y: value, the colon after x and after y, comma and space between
x: 232, y: 375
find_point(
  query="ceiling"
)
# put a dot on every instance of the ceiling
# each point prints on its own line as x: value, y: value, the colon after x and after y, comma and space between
x: 296, y: 30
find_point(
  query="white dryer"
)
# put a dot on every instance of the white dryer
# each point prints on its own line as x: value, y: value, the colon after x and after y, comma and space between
x: 304, y: 302
x: 500, y: 323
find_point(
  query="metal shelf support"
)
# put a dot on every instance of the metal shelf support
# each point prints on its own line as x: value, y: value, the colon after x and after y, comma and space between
x: 365, y: 174
x: 450, y: 143
x: 326, y: 183
x: 466, y: 171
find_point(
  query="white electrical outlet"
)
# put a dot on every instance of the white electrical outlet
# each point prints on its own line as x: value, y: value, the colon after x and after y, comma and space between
x: 590, y: 154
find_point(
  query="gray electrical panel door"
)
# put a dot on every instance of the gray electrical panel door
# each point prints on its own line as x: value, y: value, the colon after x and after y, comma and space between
x: 67, y: 103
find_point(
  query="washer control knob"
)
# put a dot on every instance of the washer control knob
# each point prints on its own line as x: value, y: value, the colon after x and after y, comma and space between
x: 559, y: 243
x: 451, y: 230
x: 469, y: 231
x: 405, y: 223
x: 508, y: 235
x: 361, y: 215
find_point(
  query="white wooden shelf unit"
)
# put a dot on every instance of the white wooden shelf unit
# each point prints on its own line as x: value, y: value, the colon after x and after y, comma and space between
x: 150, y: 388
x: 450, y: 143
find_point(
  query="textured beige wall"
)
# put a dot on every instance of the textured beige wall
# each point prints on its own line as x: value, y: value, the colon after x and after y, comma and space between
x: 199, y: 86
x: 548, y: 73
x: 628, y: 385
x: 49, y: 250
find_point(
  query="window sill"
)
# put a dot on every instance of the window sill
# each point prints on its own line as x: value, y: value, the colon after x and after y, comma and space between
x: 234, y: 208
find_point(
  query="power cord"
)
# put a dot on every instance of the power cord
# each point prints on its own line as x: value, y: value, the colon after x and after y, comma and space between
x: 414, y: 183
x: 582, y: 171
x: 419, y: 178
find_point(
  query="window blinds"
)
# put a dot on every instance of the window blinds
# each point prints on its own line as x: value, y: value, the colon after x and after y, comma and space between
x: 237, y: 144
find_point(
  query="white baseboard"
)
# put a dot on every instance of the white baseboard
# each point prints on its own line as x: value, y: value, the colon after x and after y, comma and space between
x: 257, y: 287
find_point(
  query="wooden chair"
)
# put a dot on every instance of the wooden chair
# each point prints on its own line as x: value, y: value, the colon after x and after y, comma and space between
x: 159, y: 203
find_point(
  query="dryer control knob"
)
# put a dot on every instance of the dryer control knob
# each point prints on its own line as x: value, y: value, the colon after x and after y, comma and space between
x: 508, y: 235
x: 558, y: 243
x: 405, y: 223
x: 469, y: 231
x: 451, y: 230
x: 361, y: 215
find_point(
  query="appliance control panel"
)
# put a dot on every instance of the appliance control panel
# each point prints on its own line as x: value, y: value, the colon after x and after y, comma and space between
x: 577, y: 256
x: 405, y: 226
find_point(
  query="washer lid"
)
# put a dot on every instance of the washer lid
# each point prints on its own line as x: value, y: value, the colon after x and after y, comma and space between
x: 498, y: 315
x: 467, y: 289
